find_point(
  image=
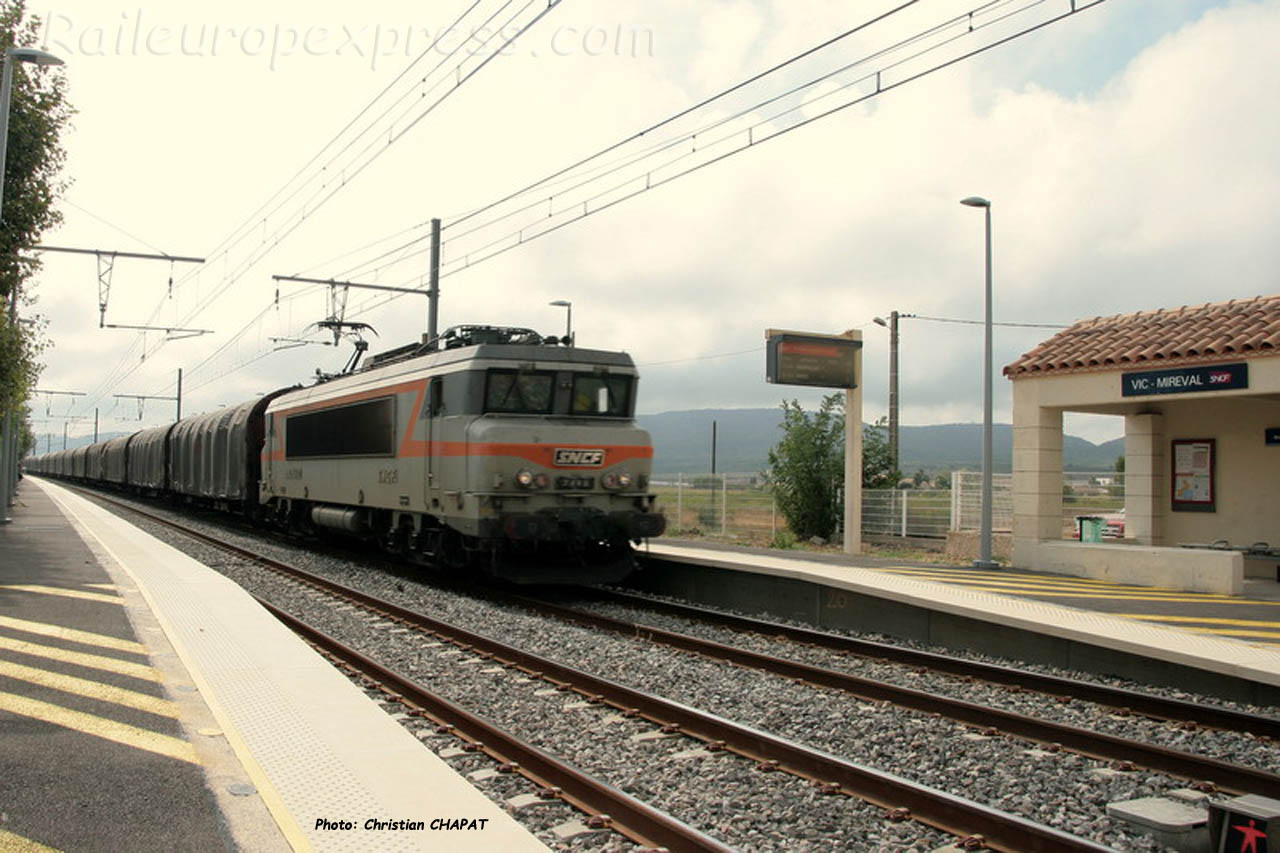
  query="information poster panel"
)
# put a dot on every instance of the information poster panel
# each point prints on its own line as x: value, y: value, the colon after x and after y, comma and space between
x: 1193, y: 475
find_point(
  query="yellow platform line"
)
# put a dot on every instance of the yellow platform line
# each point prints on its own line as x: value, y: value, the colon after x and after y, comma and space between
x: 1227, y: 632
x: 1006, y: 576
x: 45, y: 629
x: 1188, y: 598
x: 89, y: 689
x: 107, y: 664
x: 65, y: 592
x: 1019, y: 582
x: 11, y: 843
x: 1203, y: 620
x: 1037, y: 583
x: 1137, y: 593
x: 101, y: 585
x: 99, y: 727
x: 1022, y: 582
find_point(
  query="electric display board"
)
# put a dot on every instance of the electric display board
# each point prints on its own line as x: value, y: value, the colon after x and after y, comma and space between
x: 825, y: 361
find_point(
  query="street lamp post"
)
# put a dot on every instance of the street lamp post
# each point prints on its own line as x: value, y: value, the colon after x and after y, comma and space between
x: 9, y: 439
x: 984, y: 560
x: 893, y: 385
x: 568, y: 319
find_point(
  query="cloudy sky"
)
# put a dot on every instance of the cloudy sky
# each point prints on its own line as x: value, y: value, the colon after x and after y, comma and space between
x: 1128, y: 150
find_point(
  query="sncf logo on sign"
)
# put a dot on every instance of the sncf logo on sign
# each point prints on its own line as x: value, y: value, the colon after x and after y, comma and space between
x: 566, y: 457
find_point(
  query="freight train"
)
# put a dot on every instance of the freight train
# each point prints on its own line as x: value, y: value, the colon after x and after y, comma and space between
x: 493, y: 450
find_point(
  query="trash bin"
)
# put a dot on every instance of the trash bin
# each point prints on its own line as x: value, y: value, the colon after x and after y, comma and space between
x: 1090, y: 527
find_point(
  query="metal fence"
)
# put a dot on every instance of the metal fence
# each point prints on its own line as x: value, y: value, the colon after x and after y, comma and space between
x: 727, y: 505
x: 906, y: 512
x: 741, y: 506
x: 966, y: 501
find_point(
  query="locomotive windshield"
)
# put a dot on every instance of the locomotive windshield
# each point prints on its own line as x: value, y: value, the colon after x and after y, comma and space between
x: 518, y: 392
x: 608, y: 396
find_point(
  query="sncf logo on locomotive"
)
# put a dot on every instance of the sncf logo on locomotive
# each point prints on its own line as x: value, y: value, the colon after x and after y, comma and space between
x: 566, y: 457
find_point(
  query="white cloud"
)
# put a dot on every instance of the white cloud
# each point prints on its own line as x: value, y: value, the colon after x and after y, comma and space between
x: 1157, y: 189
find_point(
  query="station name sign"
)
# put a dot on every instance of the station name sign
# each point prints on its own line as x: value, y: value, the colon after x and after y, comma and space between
x: 825, y: 361
x: 1184, y: 380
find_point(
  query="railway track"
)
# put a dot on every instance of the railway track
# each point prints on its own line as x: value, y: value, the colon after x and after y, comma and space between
x: 986, y: 826
x: 606, y: 806
x: 1122, y: 700
x: 974, y: 825
x: 1219, y: 775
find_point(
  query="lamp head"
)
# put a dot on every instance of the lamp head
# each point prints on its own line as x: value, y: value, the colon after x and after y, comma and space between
x: 31, y: 54
x: 560, y: 303
x: 975, y: 201
x: 879, y: 321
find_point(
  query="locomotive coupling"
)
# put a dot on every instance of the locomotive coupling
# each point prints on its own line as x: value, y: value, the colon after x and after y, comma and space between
x: 638, y: 525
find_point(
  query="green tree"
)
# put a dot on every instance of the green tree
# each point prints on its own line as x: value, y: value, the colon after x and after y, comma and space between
x: 38, y: 113
x: 806, y: 468
x: 1117, y: 488
x: 878, y: 470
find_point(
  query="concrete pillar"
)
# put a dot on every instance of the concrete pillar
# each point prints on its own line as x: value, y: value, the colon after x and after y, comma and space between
x: 1037, y: 474
x: 1145, y: 484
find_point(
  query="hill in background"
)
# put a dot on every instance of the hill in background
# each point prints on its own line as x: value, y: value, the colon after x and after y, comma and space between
x: 682, y: 443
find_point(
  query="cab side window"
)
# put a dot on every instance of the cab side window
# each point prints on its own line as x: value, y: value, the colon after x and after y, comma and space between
x: 435, y: 397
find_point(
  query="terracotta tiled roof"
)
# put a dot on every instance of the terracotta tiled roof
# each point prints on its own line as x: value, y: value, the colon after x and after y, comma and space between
x: 1241, y: 328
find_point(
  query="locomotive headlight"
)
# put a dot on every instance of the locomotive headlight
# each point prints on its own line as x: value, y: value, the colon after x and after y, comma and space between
x: 618, y: 480
x: 524, y: 478
x: 541, y: 480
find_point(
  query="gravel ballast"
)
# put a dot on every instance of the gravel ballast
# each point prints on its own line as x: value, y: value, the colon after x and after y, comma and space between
x: 720, y: 794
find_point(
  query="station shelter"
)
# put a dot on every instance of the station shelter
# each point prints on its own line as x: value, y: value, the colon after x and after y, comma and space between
x: 1199, y: 390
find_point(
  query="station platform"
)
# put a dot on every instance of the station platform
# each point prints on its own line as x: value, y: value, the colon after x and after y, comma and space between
x: 148, y: 703
x: 1228, y: 645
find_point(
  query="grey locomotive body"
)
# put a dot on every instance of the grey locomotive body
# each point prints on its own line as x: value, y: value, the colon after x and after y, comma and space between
x: 502, y: 451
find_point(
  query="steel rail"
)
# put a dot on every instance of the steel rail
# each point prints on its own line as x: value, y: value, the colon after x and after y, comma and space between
x: 999, y: 830
x: 1222, y: 774
x: 625, y: 814
x: 983, y: 825
x: 1117, y: 697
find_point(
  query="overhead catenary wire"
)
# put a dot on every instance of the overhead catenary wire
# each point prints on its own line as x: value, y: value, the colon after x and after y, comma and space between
x: 566, y: 173
x: 983, y: 322
x: 996, y: 12
x: 113, y: 226
x: 400, y: 251
x: 650, y: 176
x: 970, y: 23
x: 639, y: 184
x: 474, y: 49
x: 329, y: 189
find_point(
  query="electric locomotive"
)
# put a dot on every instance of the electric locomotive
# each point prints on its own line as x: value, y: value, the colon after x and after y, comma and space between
x: 497, y: 449
x: 492, y: 449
